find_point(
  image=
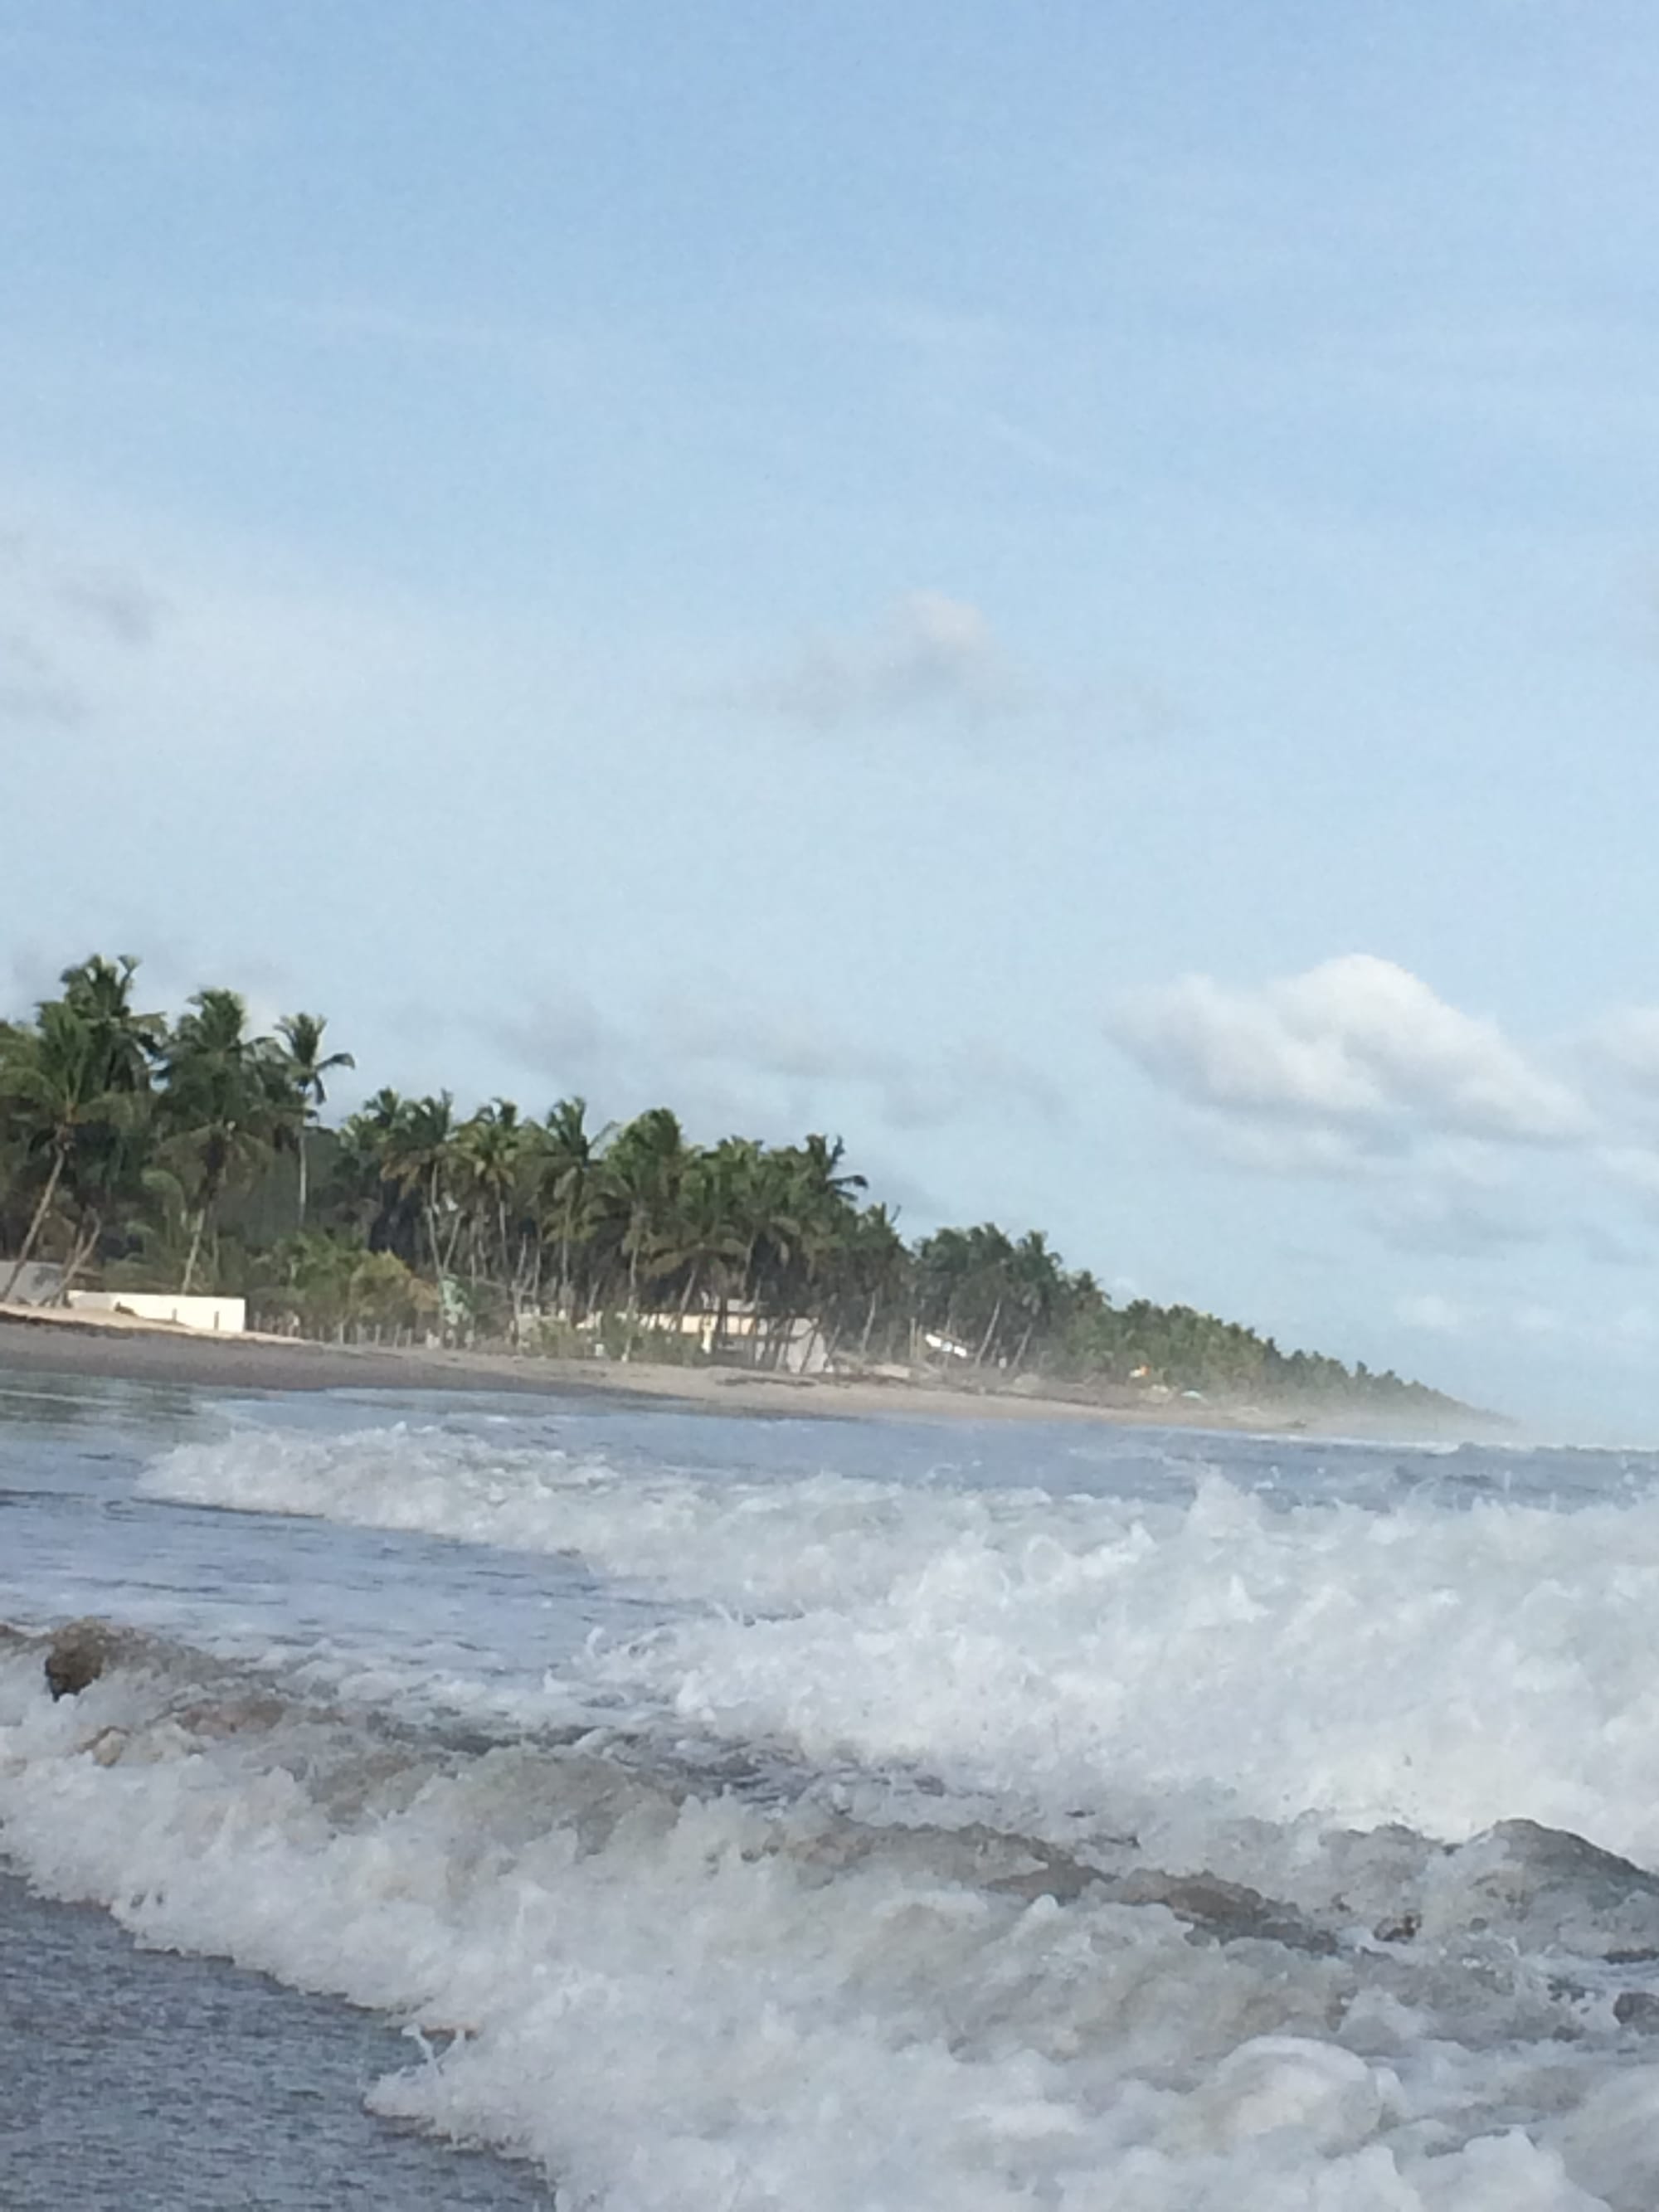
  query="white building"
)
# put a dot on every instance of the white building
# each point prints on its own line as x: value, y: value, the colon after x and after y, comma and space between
x: 211, y: 1316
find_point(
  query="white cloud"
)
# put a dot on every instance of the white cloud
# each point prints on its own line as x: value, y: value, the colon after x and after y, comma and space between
x: 1439, y: 1316
x: 1436, y: 1314
x: 1262, y: 1146
x: 1356, y: 1044
x: 929, y: 654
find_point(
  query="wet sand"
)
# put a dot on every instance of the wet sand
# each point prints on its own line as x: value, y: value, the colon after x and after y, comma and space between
x: 141, y: 2081
x: 61, y: 1344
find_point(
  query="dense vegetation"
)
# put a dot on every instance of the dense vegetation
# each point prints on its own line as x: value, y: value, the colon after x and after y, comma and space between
x: 188, y: 1154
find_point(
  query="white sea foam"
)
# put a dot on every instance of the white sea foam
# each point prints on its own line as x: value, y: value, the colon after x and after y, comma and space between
x: 1187, y: 1665
x: 689, y: 2003
x: 730, y: 1541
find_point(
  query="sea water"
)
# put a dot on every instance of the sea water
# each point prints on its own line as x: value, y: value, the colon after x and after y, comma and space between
x: 847, y: 1816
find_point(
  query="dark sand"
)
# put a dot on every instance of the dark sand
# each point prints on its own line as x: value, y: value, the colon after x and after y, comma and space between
x: 138, y: 2080
x: 70, y: 1345
x: 247, y: 1363
x: 59, y: 1343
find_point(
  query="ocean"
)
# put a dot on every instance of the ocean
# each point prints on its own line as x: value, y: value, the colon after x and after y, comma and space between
x: 524, y: 1802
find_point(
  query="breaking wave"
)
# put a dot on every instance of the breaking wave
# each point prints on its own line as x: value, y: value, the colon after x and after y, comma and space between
x: 1169, y: 1662
x: 678, y: 1997
x: 745, y: 1819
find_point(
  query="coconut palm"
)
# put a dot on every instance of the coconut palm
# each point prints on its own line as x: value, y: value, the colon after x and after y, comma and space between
x: 703, y: 1240
x: 305, y: 1064
x: 814, y: 1208
x: 567, y: 1163
x: 386, y: 1215
x: 418, y: 1153
x: 867, y: 1273
x: 101, y: 993
x: 492, y: 1164
x: 226, y: 1102
x: 639, y: 1191
x: 51, y: 1085
x: 72, y: 1088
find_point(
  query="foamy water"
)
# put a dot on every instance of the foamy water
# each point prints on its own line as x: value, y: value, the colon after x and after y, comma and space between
x: 870, y: 1815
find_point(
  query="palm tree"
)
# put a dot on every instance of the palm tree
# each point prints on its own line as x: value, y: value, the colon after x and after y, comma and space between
x: 639, y: 1191
x: 225, y: 1102
x: 101, y: 993
x: 567, y: 1161
x: 305, y: 1064
x: 1037, y: 1288
x: 51, y: 1081
x: 703, y: 1240
x: 385, y: 1214
x: 867, y: 1267
x: 753, y: 1187
x: 491, y: 1157
x: 965, y: 1283
x: 419, y: 1156
x: 71, y: 1088
x: 816, y: 1208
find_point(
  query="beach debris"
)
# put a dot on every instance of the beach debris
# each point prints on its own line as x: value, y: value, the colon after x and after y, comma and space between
x: 77, y: 1655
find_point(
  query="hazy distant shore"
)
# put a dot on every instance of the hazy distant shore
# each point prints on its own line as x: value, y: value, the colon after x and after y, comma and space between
x: 46, y: 1345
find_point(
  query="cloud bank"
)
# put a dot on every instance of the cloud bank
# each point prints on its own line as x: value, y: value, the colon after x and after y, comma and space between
x: 1355, y: 1054
x: 1465, y: 1146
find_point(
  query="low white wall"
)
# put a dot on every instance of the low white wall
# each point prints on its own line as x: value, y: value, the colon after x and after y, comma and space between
x: 216, y: 1317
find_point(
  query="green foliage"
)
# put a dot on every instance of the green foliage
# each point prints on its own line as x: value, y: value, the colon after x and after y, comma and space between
x: 333, y: 1285
x: 194, y: 1154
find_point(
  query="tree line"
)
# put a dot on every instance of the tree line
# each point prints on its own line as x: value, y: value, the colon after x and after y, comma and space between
x: 142, y: 1152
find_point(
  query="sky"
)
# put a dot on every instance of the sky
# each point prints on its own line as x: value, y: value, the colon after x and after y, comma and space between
x: 1071, y: 595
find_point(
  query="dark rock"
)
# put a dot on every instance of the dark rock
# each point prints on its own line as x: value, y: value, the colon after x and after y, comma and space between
x: 1557, y: 1854
x: 1227, y: 1911
x: 1400, y: 1929
x: 78, y: 1656
x: 1548, y: 1890
x: 1637, y: 2008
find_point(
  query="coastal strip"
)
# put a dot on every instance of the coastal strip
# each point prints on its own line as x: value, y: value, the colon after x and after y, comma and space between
x: 56, y: 1343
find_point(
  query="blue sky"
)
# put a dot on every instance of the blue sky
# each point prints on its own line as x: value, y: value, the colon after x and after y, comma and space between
x: 1072, y: 594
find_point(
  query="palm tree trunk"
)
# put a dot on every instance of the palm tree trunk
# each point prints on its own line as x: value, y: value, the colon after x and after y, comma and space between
x: 34, y: 1227
x: 990, y: 1331
x: 302, y: 1178
x: 566, y: 1294
x: 79, y: 1257
x: 195, y: 1250
x: 437, y: 1269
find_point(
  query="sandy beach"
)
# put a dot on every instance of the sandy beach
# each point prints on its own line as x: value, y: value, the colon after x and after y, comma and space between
x: 63, y: 1344
x: 36, y: 1343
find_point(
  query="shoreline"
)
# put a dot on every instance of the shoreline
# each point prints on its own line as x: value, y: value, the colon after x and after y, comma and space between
x: 56, y: 1343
